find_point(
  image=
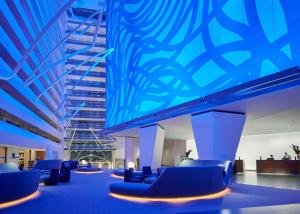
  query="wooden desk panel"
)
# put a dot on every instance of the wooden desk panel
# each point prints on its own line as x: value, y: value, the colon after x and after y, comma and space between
x: 278, y: 166
x: 239, y: 166
x: 2, y: 154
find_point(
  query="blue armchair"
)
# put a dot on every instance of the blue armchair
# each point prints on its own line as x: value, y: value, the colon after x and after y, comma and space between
x: 53, y: 179
x: 65, y: 172
x: 130, y: 177
x: 45, y: 167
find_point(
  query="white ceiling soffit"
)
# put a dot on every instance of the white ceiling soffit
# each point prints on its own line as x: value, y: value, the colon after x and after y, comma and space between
x: 89, y: 4
x: 276, y: 112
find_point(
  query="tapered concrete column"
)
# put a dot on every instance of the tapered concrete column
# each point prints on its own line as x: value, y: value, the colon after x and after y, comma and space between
x: 151, y: 146
x: 217, y: 134
x: 131, y: 150
x: 67, y: 155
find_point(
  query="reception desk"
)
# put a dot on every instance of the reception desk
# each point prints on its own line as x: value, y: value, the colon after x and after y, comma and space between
x: 278, y: 166
x: 238, y: 166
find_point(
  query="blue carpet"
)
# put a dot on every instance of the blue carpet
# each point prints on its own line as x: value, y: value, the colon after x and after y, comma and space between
x: 89, y: 194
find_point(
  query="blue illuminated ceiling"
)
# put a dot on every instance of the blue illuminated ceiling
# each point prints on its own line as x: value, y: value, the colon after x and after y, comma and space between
x: 171, y: 52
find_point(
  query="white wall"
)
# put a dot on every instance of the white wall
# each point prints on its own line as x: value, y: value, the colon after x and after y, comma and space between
x: 120, y: 148
x: 17, y: 137
x: 253, y: 146
x: 136, y: 149
x: 10, y: 151
x: 131, y: 149
x: 173, y: 151
x: 120, y: 152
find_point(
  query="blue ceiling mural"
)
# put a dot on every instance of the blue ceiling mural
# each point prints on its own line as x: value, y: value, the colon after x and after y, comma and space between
x: 171, y: 52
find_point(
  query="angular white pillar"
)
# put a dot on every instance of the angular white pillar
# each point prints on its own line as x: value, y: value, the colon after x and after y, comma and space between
x: 67, y: 155
x: 151, y: 146
x: 217, y: 134
x: 131, y: 150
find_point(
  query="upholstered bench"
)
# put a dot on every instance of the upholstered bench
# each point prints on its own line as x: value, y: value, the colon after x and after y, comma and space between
x: 120, y: 172
x: 150, y: 180
x: 176, y: 182
x: 88, y: 169
x: 17, y: 184
x: 226, y: 165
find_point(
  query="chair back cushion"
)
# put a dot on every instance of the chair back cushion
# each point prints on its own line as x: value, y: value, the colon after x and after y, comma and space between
x: 53, y: 178
x: 64, y: 165
x: 65, y: 174
x: 74, y: 164
x: 127, y: 175
x: 54, y: 174
x: 147, y: 171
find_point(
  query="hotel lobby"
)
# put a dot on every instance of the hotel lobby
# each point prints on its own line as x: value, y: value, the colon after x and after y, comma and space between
x: 111, y: 106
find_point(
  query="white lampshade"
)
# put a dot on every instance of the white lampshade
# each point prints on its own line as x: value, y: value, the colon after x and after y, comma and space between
x: 130, y: 164
x: 83, y: 162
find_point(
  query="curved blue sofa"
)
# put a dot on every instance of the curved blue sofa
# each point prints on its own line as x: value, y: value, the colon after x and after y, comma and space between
x: 18, y: 184
x: 88, y: 169
x: 118, y: 172
x: 47, y: 164
x: 176, y: 182
x: 121, y: 172
x: 224, y: 164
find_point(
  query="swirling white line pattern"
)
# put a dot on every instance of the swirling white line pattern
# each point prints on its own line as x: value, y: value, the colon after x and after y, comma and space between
x: 168, y: 52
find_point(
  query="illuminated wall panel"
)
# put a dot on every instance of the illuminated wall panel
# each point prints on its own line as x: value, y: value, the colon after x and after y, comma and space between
x: 171, y: 52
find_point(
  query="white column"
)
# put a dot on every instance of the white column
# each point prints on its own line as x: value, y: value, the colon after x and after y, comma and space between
x: 151, y: 146
x: 120, y: 148
x: 217, y: 134
x: 67, y: 155
x: 128, y: 150
x: 131, y: 151
x: 54, y: 151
